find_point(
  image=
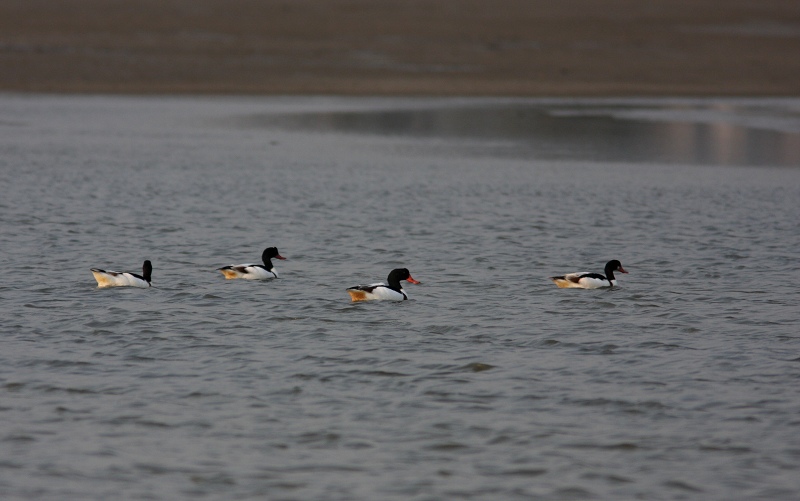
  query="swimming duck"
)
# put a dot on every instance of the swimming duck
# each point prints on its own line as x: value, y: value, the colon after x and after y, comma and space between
x: 123, y: 279
x: 254, y: 271
x: 393, y: 291
x: 590, y: 280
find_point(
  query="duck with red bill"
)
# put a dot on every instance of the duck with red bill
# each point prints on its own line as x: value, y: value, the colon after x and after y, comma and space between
x: 391, y: 291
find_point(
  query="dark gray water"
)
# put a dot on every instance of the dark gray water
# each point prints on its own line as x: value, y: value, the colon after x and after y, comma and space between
x: 491, y: 383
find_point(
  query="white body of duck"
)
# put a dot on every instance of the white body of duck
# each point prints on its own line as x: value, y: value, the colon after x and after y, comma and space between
x: 252, y: 271
x: 590, y: 280
x: 123, y: 279
x: 392, y: 291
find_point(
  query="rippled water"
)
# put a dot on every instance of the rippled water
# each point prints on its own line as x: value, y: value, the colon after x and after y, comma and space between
x: 491, y: 383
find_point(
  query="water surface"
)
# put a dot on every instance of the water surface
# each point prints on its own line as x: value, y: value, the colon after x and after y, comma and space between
x: 490, y: 383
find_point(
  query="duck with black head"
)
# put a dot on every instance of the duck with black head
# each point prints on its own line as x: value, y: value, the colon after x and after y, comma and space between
x: 107, y: 278
x: 391, y: 291
x: 250, y: 271
x: 590, y: 280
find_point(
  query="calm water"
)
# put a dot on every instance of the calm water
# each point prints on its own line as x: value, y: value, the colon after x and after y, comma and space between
x: 490, y: 384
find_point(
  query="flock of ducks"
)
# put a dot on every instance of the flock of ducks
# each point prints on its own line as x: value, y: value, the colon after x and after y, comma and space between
x: 392, y: 290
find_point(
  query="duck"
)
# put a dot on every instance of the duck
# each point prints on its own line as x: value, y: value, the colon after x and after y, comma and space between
x: 379, y: 291
x: 254, y: 271
x: 107, y: 278
x: 590, y: 280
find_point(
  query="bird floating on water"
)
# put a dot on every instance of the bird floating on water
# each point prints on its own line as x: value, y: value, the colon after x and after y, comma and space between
x: 590, y: 280
x: 124, y: 279
x: 391, y: 291
x: 252, y: 271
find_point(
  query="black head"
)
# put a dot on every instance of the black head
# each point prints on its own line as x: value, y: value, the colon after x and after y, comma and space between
x: 269, y: 253
x: 147, y: 270
x: 396, y: 275
x: 613, y: 266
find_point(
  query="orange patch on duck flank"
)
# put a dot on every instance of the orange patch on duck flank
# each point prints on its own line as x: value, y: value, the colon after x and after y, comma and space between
x: 561, y: 283
x: 102, y: 280
x: 229, y: 274
x: 357, y: 295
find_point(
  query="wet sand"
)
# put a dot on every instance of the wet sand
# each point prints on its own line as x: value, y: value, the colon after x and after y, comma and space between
x: 415, y: 47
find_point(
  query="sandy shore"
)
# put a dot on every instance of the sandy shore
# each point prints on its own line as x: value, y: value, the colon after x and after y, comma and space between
x: 402, y: 47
